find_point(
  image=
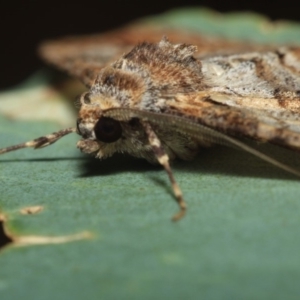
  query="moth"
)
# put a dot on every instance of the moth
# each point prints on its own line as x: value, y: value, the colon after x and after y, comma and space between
x: 167, y: 98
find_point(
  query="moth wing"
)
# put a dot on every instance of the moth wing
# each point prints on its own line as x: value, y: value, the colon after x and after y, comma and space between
x: 85, y: 56
x: 82, y: 57
x: 233, y: 116
x: 252, y: 94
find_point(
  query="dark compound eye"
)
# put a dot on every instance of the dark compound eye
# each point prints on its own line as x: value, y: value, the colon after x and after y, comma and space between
x: 108, y: 130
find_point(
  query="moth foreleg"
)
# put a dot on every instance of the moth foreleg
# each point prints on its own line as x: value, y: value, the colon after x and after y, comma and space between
x: 163, y: 159
x: 40, y: 142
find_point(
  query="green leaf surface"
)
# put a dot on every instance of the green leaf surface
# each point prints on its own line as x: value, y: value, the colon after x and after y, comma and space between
x: 246, y: 26
x: 239, y: 240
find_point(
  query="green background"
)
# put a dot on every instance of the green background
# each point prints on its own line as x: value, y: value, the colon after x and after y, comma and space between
x: 239, y: 240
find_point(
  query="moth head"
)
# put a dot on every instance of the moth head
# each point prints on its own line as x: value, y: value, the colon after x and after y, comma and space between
x: 97, y: 132
x: 102, y: 135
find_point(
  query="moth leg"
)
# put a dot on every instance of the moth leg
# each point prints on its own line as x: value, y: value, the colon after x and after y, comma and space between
x: 40, y: 142
x: 163, y: 159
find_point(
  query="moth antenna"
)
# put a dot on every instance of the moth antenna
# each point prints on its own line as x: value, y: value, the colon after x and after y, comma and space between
x: 263, y: 156
x: 40, y: 142
x: 194, y: 129
x: 163, y: 159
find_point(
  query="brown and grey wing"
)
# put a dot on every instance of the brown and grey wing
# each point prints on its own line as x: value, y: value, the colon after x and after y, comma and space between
x: 257, y: 95
x: 81, y: 57
x: 267, y: 122
x: 84, y: 56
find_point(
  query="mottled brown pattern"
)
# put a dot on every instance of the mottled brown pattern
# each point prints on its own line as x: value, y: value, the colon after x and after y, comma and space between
x: 250, y: 94
x: 85, y: 56
x: 234, y: 88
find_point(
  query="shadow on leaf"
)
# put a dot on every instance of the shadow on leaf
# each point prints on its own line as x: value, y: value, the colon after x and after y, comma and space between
x: 215, y: 160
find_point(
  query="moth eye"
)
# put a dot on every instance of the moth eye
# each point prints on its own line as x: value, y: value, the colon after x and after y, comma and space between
x: 87, y: 98
x: 108, y: 130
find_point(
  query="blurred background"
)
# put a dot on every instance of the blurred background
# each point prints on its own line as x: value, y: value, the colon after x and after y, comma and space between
x: 24, y: 24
